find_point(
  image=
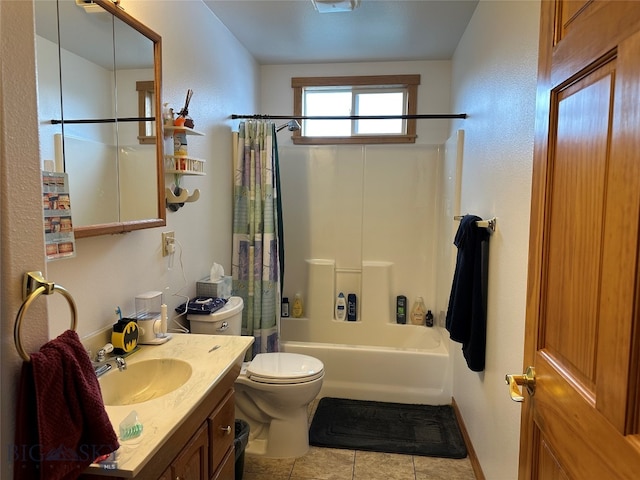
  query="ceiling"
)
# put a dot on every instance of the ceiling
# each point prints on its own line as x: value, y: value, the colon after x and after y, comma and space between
x: 292, y: 31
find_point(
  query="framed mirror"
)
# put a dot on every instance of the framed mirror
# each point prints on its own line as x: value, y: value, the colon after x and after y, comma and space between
x: 92, y: 60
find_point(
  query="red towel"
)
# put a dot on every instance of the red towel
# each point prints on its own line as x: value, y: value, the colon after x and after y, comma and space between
x: 61, y: 425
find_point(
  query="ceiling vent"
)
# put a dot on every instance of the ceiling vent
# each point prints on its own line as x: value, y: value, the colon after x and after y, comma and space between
x: 330, y: 6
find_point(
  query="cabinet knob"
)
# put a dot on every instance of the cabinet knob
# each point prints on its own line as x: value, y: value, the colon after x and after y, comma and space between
x: 226, y: 429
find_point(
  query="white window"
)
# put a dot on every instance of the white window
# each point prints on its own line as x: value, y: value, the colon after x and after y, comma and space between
x: 375, y: 96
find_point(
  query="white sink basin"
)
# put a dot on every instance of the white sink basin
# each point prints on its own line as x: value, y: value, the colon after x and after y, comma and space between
x: 143, y: 381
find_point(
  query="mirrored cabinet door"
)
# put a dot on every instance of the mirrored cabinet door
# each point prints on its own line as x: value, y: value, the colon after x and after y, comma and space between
x: 136, y: 153
x: 110, y: 152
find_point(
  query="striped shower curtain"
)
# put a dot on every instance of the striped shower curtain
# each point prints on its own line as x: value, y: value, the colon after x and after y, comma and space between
x: 257, y: 260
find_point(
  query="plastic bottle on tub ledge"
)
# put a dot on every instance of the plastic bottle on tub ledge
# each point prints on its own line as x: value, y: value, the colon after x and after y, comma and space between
x: 352, y: 307
x: 341, y: 307
x: 418, y: 312
x: 429, y: 319
x: 401, y: 309
x: 297, y: 310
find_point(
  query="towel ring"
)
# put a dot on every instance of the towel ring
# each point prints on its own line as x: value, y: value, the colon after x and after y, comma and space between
x: 33, y: 286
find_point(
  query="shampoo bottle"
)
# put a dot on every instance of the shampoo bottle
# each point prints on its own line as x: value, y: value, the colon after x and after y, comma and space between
x: 341, y: 307
x: 418, y: 312
x: 285, y: 307
x: 352, y: 307
x: 401, y: 309
x: 296, y: 309
x: 429, y: 319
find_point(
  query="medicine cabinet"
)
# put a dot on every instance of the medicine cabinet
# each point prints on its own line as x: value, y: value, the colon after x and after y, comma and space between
x: 92, y: 58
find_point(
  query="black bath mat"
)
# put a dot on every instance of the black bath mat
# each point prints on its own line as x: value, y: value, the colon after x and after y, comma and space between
x: 425, y: 430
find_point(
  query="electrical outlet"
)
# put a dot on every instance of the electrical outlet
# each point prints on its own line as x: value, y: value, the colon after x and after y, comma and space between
x: 168, y: 243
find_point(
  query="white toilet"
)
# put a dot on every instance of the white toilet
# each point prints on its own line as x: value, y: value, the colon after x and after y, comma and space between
x: 273, y: 391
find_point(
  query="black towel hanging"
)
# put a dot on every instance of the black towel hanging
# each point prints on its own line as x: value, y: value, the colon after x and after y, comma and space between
x: 466, y: 314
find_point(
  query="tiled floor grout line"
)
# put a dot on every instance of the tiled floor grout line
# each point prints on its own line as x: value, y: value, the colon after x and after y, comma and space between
x: 353, y: 467
x: 293, y: 466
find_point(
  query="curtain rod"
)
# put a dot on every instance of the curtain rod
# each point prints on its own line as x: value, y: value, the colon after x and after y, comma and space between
x: 350, y: 117
x: 104, y: 120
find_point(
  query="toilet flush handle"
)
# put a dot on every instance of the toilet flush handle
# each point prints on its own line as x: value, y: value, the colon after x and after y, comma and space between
x: 223, y: 327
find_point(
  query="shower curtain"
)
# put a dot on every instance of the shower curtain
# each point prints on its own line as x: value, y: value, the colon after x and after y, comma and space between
x: 257, y: 259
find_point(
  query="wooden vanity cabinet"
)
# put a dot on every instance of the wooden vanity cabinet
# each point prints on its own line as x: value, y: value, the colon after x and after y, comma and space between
x: 206, y: 454
x: 227, y: 470
x: 221, y: 433
x: 193, y: 462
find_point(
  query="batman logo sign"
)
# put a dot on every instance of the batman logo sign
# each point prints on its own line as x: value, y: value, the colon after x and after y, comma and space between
x: 125, y: 336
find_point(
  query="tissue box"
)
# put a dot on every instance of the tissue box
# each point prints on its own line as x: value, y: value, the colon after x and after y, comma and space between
x: 218, y: 288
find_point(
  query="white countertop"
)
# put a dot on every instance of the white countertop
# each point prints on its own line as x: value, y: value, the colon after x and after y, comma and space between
x: 162, y: 416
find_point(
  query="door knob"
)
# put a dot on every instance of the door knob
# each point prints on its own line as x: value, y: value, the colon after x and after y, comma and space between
x: 528, y: 380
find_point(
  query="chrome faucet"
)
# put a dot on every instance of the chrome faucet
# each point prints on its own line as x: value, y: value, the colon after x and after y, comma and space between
x: 103, y: 364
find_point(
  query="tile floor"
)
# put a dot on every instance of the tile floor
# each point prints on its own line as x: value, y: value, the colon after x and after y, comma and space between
x: 339, y: 464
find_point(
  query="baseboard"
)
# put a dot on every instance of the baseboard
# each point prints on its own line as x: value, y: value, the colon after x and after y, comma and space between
x: 475, y: 464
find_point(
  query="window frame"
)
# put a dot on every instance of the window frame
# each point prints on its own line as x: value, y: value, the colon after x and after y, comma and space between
x: 146, y: 92
x: 408, y: 82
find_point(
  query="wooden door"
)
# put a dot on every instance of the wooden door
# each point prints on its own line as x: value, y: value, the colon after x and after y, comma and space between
x: 583, y: 302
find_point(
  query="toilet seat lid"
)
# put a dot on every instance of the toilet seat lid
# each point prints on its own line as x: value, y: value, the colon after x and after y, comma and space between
x: 280, y: 367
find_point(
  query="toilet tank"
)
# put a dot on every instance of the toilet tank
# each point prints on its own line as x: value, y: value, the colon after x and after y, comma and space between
x: 226, y: 321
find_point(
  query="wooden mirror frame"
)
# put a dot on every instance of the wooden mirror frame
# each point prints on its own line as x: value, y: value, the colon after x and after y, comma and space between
x: 161, y: 220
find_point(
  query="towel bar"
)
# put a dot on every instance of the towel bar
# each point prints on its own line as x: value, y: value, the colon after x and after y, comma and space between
x: 33, y: 286
x: 490, y: 224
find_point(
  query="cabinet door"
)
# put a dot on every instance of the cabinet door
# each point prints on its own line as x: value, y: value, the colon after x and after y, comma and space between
x: 166, y: 475
x: 221, y: 430
x: 227, y: 470
x: 193, y: 463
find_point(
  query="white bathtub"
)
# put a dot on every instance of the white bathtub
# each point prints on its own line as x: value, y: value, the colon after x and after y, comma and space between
x: 415, y: 370
x: 372, y: 358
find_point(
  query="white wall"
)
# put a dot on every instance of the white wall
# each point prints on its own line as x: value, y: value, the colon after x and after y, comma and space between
x: 494, y: 77
x: 448, y: 206
x: 21, y: 224
x: 111, y: 270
